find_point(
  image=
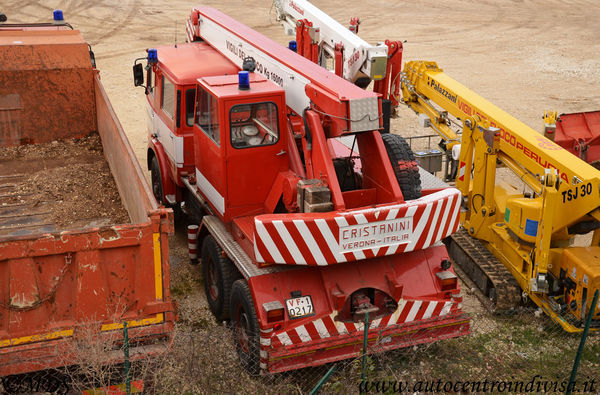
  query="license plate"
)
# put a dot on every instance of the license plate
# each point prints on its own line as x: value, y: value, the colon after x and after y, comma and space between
x: 300, y: 307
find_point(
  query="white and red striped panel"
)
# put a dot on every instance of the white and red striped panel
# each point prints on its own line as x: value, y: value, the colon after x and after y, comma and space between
x: 191, y: 31
x: 192, y: 232
x: 324, y: 327
x: 315, y: 239
x: 461, y: 171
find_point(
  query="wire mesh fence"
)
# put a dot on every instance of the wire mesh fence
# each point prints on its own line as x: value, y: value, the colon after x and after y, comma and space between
x: 517, y: 352
x: 521, y: 351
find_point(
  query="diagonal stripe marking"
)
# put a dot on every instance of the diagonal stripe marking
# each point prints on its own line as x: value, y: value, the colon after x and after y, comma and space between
x: 413, y: 312
x: 310, y: 242
x: 290, y: 244
x: 284, y: 339
x: 266, y: 239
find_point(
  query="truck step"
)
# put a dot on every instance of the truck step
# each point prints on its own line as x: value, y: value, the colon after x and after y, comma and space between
x: 495, y: 286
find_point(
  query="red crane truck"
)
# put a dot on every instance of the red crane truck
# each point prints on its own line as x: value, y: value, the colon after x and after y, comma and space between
x: 308, y: 216
x: 61, y: 283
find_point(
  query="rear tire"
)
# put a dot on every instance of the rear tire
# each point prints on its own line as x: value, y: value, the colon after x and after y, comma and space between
x: 218, y: 273
x: 404, y: 164
x: 245, y: 327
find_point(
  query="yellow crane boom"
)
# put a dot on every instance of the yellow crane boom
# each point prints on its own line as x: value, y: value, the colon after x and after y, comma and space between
x: 529, y: 225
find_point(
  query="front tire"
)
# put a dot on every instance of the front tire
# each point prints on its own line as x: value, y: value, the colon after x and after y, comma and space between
x: 245, y: 327
x: 157, y: 190
x: 218, y: 273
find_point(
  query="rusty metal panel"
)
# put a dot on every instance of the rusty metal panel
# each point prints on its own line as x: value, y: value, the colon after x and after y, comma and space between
x: 56, y: 104
x: 133, y: 187
x: 10, y: 120
x: 55, y: 285
x: 42, y: 50
x: 53, y: 78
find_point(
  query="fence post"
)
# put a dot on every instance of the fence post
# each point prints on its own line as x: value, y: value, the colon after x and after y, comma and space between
x: 364, y: 356
x: 323, y: 380
x: 588, y: 321
x: 127, y: 362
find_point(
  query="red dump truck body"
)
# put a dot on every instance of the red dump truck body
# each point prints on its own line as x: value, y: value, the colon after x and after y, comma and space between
x: 59, y: 285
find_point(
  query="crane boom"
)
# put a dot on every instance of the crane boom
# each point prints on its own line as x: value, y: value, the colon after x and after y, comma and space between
x: 516, y: 138
x: 352, y: 109
x: 359, y: 56
x: 519, y: 146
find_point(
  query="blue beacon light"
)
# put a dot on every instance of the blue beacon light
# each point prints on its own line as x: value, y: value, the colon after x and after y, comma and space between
x: 293, y: 45
x: 152, y: 56
x: 244, y: 80
x: 58, y: 15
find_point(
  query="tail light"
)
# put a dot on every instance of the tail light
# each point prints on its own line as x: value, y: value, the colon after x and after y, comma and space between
x: 275, y: 311
x: 448, y: 280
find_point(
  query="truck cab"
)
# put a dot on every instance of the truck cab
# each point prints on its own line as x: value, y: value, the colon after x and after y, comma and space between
x: 239, y: 147
x: 202, y: 123
x: 171, y: 99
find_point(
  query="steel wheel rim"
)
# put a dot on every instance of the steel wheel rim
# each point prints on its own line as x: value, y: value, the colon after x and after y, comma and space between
x: 243, y: 330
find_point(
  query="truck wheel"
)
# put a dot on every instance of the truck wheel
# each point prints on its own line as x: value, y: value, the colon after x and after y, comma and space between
x: 157, y: 190
x: 245, y: 327
x: 219, y: 273
x: 404, y: 165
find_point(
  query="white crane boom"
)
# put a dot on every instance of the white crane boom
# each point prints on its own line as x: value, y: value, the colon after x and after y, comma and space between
x: 304, y: 82
x: 360, y: 59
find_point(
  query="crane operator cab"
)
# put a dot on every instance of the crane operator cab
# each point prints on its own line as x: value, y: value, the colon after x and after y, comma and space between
x: 238, y: 144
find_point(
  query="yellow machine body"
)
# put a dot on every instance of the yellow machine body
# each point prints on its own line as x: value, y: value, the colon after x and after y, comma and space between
x: 531, y: 233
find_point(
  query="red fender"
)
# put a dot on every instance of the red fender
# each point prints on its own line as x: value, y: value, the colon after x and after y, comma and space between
x: 168, y: 185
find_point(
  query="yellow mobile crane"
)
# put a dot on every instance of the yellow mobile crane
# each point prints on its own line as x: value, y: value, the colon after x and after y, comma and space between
x: 525, y: 227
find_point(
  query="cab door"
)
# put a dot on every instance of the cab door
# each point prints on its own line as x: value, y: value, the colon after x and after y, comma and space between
x: 208, y: 150
x: 256, y: 154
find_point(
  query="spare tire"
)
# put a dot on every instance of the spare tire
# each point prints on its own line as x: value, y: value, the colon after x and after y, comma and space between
x: 404, y: 165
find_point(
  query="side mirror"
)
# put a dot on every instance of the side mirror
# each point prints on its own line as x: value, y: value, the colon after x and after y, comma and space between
x: 2, y: 17
x: 138, y: 74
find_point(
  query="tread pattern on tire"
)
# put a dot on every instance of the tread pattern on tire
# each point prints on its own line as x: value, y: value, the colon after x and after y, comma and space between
x: 227, y: 273
x: 177, y: 213
x: 240, y: 294
x: 155, y: 169
x: 404, y: 164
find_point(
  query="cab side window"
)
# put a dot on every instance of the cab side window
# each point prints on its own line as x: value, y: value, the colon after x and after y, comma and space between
x: 207, y: 114
x: 190, y: 101
x: 168, y: 97
x: 151, y: 80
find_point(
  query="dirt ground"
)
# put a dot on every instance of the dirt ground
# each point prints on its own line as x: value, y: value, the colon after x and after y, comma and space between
x: 525, y: 56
